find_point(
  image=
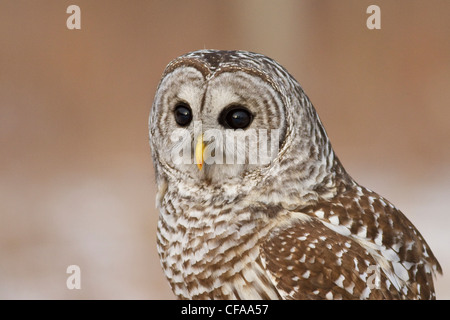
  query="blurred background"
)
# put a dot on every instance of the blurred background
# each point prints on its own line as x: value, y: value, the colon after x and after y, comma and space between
x: 76, y: 177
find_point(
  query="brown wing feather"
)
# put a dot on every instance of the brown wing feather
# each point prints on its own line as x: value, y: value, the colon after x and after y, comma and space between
x: 310, y: 261
x: 328, y: 255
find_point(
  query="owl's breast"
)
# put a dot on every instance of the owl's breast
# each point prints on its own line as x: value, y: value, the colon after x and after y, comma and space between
x: 212, y: 252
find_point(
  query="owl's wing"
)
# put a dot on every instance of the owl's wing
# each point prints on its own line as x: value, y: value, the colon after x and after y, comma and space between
x: 307, y: 260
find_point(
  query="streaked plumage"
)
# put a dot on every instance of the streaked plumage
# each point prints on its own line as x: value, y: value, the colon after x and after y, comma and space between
x: 297, y: 228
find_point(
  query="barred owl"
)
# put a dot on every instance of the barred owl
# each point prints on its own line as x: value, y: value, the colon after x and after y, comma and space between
x: 253, y: 201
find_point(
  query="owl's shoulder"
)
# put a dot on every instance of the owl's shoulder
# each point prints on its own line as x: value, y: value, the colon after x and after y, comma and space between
x: 337, y: 248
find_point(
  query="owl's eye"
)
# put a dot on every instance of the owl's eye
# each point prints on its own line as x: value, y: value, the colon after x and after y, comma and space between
x: 236, y: 117
x: 183, y: 114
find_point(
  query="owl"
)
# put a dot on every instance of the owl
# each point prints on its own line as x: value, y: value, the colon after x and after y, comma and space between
x: 253, y: 201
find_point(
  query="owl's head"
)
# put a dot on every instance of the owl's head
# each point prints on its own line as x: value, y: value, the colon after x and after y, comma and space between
x: 235, y: 117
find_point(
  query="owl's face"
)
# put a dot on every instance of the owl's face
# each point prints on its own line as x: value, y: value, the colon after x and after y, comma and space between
x: 238, y: 119
x: 216, y: 124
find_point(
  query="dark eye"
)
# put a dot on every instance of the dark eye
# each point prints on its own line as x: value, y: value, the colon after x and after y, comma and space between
x: 183, y: 114
x: 236, y: 117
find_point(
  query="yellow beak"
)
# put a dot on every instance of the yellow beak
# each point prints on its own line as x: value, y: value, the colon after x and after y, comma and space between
x: 199, y: 149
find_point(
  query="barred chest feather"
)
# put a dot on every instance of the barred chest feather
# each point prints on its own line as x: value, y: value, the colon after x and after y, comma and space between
x: 212, y: 251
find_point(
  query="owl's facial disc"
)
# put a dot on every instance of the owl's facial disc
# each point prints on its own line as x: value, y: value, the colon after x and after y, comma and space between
x: 216, y: 127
